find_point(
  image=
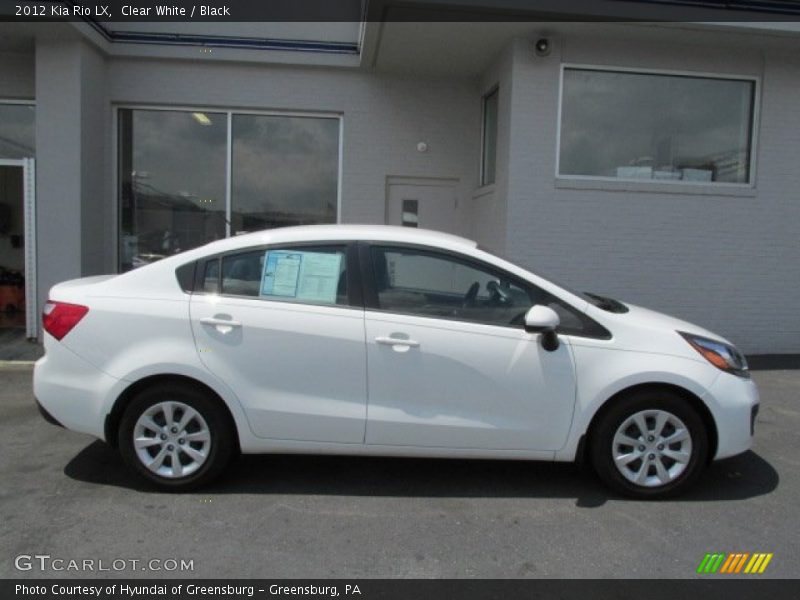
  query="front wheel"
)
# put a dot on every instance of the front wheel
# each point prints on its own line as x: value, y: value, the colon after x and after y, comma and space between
x: 175, y: 436
x: 650, y: 444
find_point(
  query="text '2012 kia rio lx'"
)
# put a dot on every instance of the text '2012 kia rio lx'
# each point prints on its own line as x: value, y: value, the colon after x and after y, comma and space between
x: 388, y: 341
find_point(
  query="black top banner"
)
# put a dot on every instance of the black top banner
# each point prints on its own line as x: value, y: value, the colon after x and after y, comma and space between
x: 238, y: 11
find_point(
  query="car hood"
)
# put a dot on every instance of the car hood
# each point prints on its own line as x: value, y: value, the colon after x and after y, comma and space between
x: 650, y: 319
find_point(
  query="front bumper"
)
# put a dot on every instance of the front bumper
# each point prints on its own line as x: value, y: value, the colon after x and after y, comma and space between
x: 734, y: 404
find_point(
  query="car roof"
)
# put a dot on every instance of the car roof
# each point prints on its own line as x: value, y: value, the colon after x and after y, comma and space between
x: 319, y: 233
x: 145, y: 277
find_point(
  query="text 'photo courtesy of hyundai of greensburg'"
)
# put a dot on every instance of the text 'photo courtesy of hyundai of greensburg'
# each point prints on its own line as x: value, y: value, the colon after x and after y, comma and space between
x: 386, y: 341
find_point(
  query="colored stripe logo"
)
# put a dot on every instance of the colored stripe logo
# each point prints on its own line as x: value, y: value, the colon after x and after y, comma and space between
x: 734, y: 563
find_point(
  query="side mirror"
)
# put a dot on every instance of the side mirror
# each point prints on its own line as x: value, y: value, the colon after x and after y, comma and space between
x: 543, y: 319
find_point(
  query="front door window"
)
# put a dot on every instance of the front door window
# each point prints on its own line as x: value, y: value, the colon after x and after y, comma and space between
x: 435, y: 285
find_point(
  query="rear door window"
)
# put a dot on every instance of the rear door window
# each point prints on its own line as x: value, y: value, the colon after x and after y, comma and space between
x: 210, y: 281
x: 310, y: 275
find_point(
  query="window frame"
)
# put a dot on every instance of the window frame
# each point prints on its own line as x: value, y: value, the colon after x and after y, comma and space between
x: 229, y: 113
x: 495, y: 89
x: 355, y: 296
x: 594, y: 330
x: 657, y: 184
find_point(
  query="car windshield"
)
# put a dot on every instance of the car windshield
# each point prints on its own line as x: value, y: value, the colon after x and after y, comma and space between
x: 602, y: 302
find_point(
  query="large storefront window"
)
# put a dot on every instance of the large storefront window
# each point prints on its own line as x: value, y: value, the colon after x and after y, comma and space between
x: 670, y: 128
x: 17, y: 131
x: 285, y: 171
x: 177, y: 192
x: 172, y: 182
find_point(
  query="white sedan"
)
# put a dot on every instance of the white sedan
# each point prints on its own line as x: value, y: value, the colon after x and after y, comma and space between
x: 390, y: 341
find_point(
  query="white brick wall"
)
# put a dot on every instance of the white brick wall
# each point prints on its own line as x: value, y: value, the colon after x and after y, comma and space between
x: 727, y: 262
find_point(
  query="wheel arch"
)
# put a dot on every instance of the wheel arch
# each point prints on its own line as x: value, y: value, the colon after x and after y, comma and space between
x: 695, y: 401
x: 112, y: 421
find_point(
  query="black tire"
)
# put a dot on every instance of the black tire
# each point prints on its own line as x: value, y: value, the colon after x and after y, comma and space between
x: 221, y: 433
x: 601, y: 443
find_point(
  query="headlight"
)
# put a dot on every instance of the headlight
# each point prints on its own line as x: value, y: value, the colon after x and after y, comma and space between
x: 719, y: 354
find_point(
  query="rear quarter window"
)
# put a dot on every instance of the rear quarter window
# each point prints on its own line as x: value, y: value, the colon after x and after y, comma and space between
x: 185, y: 276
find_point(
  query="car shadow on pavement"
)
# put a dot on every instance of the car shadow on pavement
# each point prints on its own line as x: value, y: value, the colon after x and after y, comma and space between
x: 738, y: 478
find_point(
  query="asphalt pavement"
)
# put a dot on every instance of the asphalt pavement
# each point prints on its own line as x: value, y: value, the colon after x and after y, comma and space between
x: 69, y: 497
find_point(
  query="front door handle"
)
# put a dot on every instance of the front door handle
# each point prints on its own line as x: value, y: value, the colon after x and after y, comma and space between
x: 222, y: 325
x: 393, y: 341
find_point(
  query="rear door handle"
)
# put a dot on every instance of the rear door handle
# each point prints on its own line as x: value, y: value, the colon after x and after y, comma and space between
x: 222, y: 325
x: 393, y: 341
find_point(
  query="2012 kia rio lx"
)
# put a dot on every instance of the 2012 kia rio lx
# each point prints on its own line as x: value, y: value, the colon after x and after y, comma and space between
x: 388, y: 341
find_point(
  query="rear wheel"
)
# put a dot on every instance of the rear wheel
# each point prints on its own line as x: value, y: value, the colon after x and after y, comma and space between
x: 650, y: 444
x: 176, y: 436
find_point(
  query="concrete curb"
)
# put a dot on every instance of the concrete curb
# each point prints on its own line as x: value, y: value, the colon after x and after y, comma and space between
x: 4, y: 364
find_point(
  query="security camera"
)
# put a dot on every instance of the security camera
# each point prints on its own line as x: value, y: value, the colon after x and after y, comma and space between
x: 542, y: 47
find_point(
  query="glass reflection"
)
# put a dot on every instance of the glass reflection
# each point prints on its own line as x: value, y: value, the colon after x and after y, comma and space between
x: 172, y: 182
x: 662, y: 127
x: 285, y: 171
x: 17, y: 131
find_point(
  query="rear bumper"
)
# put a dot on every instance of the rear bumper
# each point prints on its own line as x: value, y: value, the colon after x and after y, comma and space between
x: 70, y: 392
x: 734, y: 404
x: 46, y: 415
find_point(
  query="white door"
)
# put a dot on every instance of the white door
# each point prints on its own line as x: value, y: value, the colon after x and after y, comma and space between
x: 449, y: 364
x: 427, y: 204
x: 275, y: 325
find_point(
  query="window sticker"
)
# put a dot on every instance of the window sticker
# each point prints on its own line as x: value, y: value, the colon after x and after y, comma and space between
x: 281, y: 272
x: 305, y: 276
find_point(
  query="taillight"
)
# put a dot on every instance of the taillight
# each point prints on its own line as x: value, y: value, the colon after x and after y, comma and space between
x: 58, y: 318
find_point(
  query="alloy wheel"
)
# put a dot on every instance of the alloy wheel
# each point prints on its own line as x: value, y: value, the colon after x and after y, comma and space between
x: 171, y: 439
x: 652, y: 448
